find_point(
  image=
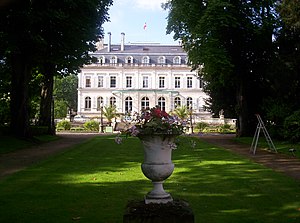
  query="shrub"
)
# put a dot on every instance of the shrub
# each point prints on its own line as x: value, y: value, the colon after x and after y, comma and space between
x: 77, y: 129
x: 91, y: 125
x: 66, y: 125
x: 201, y: 126
x: 292, y: 127
x: 225, y: 128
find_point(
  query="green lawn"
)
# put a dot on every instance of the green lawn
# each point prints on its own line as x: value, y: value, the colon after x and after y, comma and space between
x: 94, y: 181
x: 281, y: 146
x: 10, y: 144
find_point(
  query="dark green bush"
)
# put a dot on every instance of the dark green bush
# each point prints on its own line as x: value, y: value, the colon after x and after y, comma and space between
x: 91, y: 125
x: 292, y: 127
x: 66, y: 125
x: 201, y: 126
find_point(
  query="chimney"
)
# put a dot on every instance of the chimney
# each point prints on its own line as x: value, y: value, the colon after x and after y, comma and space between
x: 122, y: 41
x: 109, y: 42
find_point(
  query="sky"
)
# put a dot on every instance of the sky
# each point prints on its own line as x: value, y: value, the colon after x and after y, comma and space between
x: 130, y: 16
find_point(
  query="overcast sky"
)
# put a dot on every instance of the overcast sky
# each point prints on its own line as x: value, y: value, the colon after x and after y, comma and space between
x: 130, y: 16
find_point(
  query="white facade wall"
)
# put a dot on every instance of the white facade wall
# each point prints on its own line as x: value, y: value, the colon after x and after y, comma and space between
x: 89, y: 91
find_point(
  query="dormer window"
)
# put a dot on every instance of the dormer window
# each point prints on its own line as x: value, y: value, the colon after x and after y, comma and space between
x: 161, y: 60
x: 129, y: 60
x: 177, y: 60
x: 113, y: 60
x: 145, y: 60
x: 101, y: 60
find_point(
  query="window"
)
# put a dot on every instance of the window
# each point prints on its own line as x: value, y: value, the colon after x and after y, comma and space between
x: 87, y: 103
x: 101, y: 60
x: 100, y: 81
x: 99, y: 103
x: 189, y: 103
x: 177, y: 60
x: 177, y: 82
x: 189, y: 83
x: 145, y: 82
x: 161, y: 60
x: 112, y: 101
x: 145, y: 103
x: 162, y: 103
x: 129, y: 60
x: 113, y: 60
x: 145, y: 60
x: 161, y: 82
x: 177, y: 102
x: 128, y: 82
x: 88, y: 82
x: 128, y: 104
x: 113, y: 81
x: 201, y: 83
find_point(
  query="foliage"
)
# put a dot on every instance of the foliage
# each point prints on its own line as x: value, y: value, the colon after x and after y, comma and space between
x: 290, y: 12
x: 66, y: 125
x: 110, y: 112
x: 60, y: 109
x: 155, y: 121
x: 91, y: 125
x: 201, y: 126
x: 69, y: 186
x: 65, y: 91
x: 230, y: 44
x: 292, y: 127
x: 181, y: 112
x: 39, y: 36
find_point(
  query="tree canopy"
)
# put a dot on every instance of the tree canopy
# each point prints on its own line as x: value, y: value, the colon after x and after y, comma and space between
x: 50, y: 37
x: 234, y: 46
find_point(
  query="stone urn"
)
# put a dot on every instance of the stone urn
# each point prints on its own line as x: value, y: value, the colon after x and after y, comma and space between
x: 157, y: 165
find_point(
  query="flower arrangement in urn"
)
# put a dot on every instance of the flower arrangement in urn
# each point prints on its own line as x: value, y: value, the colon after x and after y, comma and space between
x: 154, y: 121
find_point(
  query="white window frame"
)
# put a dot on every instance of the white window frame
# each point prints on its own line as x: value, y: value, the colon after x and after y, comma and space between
x: 189, y: 82
x: 129, y: 81
x: 161, y: 82
x: 177, y: 82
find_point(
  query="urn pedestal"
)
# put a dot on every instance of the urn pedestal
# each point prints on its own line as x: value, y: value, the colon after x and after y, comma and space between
x: 157, y: 165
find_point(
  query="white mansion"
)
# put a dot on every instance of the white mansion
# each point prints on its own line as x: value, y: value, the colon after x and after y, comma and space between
x: 137, y: 76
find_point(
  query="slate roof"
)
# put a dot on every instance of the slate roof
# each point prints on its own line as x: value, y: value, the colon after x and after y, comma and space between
x: 138, y: 51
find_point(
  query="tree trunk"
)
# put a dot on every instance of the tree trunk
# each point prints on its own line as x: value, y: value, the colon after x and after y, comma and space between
x: 46, y: 105
x: 242, y: 125
x: 19, y: 105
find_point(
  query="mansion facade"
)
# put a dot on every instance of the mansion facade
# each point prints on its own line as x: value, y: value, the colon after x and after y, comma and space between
x: 137, y: 76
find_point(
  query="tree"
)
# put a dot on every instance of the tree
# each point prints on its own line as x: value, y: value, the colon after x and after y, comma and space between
x: 181, y: 112
x: 65, y: 91
x: 230, y: 44
x: 290, y: 12
x: 52, y: 36
x: 109, y: 113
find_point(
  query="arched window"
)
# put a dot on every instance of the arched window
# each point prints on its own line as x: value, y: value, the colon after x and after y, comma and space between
x: 177, y: 60
x: 112, y: 101
x: 145, y: 60
x: 177, y: 102
x: 113, y: 60
x: 87, y: 103
x: 162, y: 103
x: 189, y: 103
x: 101, y: 60
x: 161, y: 60
x: 99, y: 103
x: 128, y: 104
x: 145, y: 103
x: 129, y: 60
